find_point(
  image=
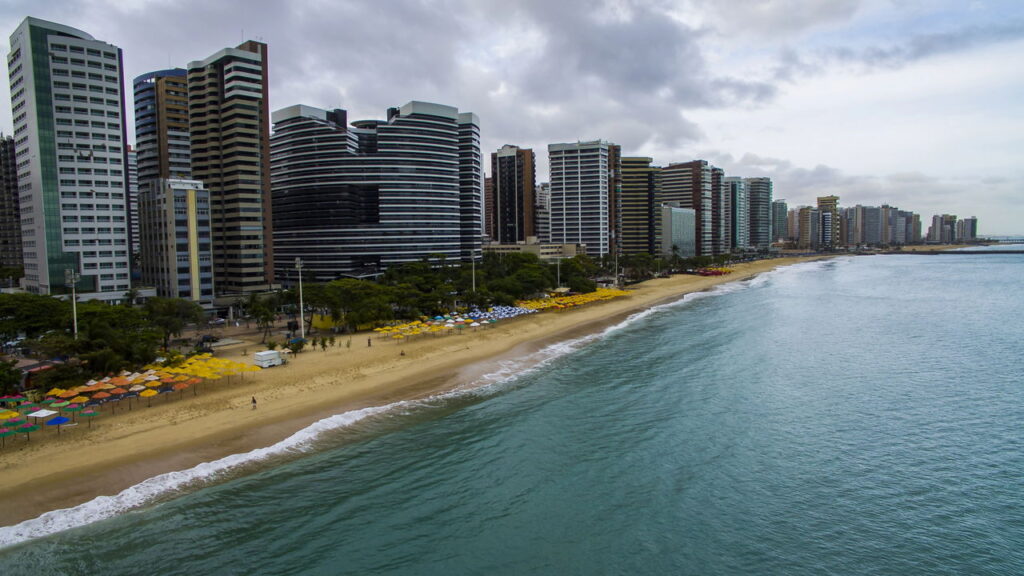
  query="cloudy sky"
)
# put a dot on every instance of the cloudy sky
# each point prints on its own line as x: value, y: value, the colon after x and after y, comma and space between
x: 915, y: 103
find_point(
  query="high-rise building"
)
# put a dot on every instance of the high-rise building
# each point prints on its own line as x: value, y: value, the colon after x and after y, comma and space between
x: 10, y: 216
x: 489, y: 207
x: 780, y: 220
x: 513, y: 177
x: 542, y: 212
x: 585, y: 186
x: 721, y: 213
x: 759, y: 190
x: 132, y: 173
x: 177, y: 257
x: 740, y: 208
x: 66, y: 96
x: 829, y: 205
x: 967, y: 229
x: 640, y: 212
x: 793, y: 224
x: 161, y: 125
x: 471, y: 188
x: 943, y: 229
x: 351, y: 200
x: 690, y: 185
x: 678, y: 231
x: 230, y: 152
x: 810, y: 228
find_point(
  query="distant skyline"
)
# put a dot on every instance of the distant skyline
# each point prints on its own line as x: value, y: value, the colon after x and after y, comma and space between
x: 915, y: 103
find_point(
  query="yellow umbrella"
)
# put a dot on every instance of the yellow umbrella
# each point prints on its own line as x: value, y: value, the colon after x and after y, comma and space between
x: 79, y: 399
x: 55, y: 391
x: 149, y: 393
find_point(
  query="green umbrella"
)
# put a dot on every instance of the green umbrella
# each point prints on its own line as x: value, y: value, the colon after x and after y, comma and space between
x: 27, y: 429
x: 14, y: 422
x: 90, y: 414
x: 28, y: 406
x: 49, y: 401
x: 4, y: 433
x: 74, y: 408
x: 60, y: 404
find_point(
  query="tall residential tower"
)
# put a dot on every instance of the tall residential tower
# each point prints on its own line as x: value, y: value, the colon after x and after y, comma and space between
x: 70, y: 139
x: 585, y: 186
x: 229, y: 127
x: 513, y: 179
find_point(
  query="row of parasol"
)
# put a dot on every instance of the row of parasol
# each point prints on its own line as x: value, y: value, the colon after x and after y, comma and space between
x: 19, y: 415
x: 436, y: 325
x: 563, y: 302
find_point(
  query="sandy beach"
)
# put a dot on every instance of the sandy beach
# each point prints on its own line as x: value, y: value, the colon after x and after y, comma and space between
x: 182, y: 430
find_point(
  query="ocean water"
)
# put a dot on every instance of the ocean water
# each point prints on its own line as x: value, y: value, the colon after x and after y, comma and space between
x: 863, y: 415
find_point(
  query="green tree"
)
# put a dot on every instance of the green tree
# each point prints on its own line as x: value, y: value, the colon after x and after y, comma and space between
x: 32, y: 314
x: 171, y: 315
x: 10, y: 377
x: 296, y: 345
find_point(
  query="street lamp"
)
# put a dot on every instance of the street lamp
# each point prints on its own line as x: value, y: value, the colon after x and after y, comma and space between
x: 71, y: 278
x: 302, y: 319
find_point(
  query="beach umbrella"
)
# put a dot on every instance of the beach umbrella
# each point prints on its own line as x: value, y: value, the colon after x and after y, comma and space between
x: 28, y: 406
x: 90, y: 414
x: 74, y: 408
x: 149, y: 394
x: 27, y: 429
x: 15, y: 422
x: 137, y: 388
x: 117, y: 391
x: 49, y: 401
x: 67, y: 394
x: 101, y: 395
x: 8, y: 414
x: 58, y: 422
x: 60, y: 404
x: 79, y: 399
x: 4, y: 433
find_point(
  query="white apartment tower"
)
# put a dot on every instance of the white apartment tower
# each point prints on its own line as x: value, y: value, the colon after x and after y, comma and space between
x: 585, y: 184
x: 68, y: 107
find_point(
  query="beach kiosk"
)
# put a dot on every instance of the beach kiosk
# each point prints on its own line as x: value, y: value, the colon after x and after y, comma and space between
x: 268, y: 358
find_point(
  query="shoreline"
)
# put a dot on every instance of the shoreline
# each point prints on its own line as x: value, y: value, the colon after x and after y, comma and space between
x: 122, y: 450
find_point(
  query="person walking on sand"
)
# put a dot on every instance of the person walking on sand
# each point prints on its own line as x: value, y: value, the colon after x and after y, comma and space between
x: 253, y: 402
x: 369, y: 342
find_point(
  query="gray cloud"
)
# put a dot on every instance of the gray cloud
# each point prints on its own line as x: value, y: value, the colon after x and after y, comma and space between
x: 535, y: 71
x: 775, y: 19
x: 791, y: 65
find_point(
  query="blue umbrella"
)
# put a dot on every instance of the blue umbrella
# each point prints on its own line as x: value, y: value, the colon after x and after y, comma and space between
x: 57, y: 422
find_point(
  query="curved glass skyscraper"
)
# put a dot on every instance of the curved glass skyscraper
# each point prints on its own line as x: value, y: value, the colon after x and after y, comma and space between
x: 351, y: 200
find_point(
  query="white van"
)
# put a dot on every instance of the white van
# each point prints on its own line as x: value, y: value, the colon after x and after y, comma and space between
x: 267, y: 358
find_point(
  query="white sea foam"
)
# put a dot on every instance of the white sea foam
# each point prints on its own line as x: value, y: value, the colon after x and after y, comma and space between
x: 157, y: 487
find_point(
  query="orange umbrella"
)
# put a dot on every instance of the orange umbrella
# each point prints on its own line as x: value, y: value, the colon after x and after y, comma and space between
x: 68, y: 394
x: 100, y: 395
x: 115, y: 391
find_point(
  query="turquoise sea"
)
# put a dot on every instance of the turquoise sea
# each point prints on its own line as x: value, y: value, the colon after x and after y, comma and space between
x: 863, y: 415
